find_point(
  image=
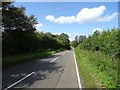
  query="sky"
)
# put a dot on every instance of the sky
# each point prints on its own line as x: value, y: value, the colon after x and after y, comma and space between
x: 73, y: 18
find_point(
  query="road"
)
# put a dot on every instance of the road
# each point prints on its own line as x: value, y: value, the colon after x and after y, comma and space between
x: 56, y: 71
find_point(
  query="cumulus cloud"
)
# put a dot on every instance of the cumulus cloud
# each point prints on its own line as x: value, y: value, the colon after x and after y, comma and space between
x: 85, y: 15
x: 107, y: 18
x: 62, y: 19
x: 73, y: 35
x: 88, y: 15
x: 37, y: 26
x: 97, y: 29
x: 50, y: 18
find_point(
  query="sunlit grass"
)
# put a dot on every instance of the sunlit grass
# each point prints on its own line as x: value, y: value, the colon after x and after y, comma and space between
x: 97, y: 70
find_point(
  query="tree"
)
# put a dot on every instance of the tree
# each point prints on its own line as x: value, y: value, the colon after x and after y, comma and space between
x: 81, y: 38
x: 78, y: 40
x: 74, y: 43
x: 65, y: 38
x: 20, y: 35
x: 18, y: 30
x: 106, y: 42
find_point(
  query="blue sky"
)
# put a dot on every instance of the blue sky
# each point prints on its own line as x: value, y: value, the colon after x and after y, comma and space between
x: 78, y: 18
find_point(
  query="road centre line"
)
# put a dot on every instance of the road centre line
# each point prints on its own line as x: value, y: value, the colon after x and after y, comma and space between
x: 54, y: 59
x: 19, y: 81
x: 28, y: 75
x: 63, y: 54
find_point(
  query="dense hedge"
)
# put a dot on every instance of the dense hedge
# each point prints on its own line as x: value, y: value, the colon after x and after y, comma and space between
x: 102, y: 52
x: 107, y: 42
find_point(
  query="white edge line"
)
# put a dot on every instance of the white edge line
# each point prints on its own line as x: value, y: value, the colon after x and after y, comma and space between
x: 19, y: 81
x: 79, y: 82
x: 54, y: 59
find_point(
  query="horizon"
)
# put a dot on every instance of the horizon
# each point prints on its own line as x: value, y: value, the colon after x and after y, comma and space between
x: 72, y: 18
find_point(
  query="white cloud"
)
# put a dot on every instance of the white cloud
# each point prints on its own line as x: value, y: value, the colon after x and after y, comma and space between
x: 72, y: 36
x: 88, y: 15
x: 107, y: 18
x: 37, y: 26
x: 62, y: 19
x: 56, y: 33
x: 97, y: 29
x: 50, y: 18
x: 85, y: 15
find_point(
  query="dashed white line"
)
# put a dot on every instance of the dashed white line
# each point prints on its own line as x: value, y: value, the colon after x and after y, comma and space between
x: 19, y: 81
x: 54, y: 59
x: 28, y: 75
x: 79, y: 82
x: 63, y: 54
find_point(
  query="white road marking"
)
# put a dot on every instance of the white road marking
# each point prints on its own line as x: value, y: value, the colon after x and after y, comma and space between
x: 63, y: 54
x: 79, y: 82
x: 54, y: 59
x: 19, y: 81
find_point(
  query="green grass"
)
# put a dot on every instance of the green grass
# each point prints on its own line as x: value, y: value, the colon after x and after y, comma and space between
x: 11, y: 60
x: 97, y: 70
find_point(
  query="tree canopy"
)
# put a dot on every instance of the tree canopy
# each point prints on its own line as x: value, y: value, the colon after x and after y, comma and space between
x: 19, y: 34
x: 78, y: 39
x: 107, y: 42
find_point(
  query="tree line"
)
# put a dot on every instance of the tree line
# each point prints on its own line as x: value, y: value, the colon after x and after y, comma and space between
x: 78, y: 39
x: 19, y: 34
x: 107, y: 42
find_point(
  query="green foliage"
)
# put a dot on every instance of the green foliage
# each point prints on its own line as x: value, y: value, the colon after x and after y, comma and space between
x: 19, y: 34
x: 101, y: 53
x: 18, y: 30
x: 89, y: 80
x: 78, y: 39
x: 97, y: 69
x: 81, y: 38
x: 74, y: 43
x: 65, y: 38
x: 50, y: 41
x: 106, y: 42
x: 10, y: 60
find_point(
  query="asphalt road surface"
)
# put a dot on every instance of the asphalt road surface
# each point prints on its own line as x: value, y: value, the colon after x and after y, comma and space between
x: 56, y: 71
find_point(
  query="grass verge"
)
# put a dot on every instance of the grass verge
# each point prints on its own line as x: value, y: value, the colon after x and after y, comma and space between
x: 97, y: 70
x: 11, y: 60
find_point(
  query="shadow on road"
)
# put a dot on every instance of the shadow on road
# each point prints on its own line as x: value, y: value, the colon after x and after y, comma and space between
x: 40, y: 67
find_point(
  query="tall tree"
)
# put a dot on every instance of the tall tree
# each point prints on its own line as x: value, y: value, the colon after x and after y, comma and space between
x: 18, y: 29
x: 65, y: 39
